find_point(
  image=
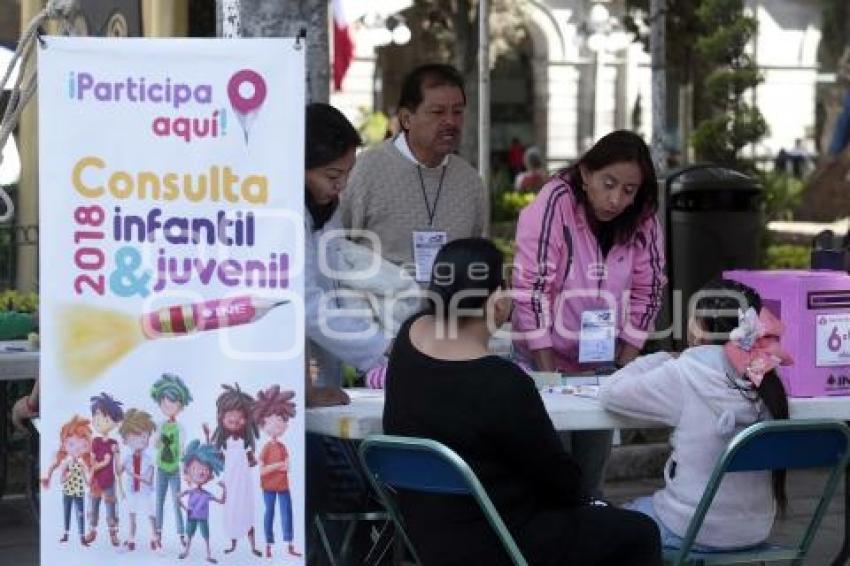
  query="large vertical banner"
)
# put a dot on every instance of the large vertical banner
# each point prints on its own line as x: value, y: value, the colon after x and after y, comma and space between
x: 171, y: 197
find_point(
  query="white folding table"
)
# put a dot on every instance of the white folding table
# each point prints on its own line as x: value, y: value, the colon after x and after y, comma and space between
x: 568, y: 412
x: 363, y: 416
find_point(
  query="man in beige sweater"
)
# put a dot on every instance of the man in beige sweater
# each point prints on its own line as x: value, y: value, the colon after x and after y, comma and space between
x: 412, y: 192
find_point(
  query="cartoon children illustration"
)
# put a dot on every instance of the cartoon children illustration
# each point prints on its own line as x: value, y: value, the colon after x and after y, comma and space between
x: 272, y: 412
x: 235, y: 435
x: 172, y: 396
x: 74, y: 462
x: 106, y: 415
x: 201, y: 463
x: 136, y: 469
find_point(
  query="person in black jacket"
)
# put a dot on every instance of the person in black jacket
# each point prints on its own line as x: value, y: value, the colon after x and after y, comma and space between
x: 442, y: 383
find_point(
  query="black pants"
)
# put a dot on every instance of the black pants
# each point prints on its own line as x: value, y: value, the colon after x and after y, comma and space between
x: 592, y: 536
x: 577, y: 536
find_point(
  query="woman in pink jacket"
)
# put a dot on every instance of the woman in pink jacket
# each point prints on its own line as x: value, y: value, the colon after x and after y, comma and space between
x: 589, y: 271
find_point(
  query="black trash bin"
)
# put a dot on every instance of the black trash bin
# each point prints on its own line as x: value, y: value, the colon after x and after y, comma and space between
x: 714, y: 222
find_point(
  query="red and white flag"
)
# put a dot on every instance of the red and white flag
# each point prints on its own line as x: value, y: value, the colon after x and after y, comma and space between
x: 343, y: 43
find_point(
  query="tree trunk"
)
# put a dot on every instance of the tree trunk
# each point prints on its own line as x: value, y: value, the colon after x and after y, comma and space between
x: 657, y: 39
x: 285, y: 18
x: 833, y: 104
x: 466, y: 53
x: 825, y: 196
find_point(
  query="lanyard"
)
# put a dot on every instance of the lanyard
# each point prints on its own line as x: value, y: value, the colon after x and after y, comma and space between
x: 431, y: 211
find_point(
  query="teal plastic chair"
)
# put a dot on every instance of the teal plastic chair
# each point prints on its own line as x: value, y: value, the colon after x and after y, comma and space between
x: 768, y: 446
x: 421, y: 464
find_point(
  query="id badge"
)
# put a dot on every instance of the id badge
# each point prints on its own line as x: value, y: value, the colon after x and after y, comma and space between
x: 426, y: 244
x: 598, y: 337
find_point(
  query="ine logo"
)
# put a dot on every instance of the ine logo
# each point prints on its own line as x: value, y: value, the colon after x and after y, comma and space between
x: 838, y: 381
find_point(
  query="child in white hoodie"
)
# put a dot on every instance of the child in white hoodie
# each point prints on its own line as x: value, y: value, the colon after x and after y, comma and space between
x: 723, y: 383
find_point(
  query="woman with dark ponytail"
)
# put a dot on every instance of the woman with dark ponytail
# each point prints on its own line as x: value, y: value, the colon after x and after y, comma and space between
x: 723, y: 383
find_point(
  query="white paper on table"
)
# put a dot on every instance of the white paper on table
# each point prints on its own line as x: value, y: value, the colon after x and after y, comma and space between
x: 590, y: 391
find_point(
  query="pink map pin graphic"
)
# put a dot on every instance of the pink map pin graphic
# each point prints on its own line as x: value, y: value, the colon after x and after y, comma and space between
x: 246, y: 107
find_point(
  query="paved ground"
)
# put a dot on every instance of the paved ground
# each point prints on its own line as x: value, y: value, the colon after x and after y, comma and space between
x: 18, y: 533
x: 19, y: 538
x: 803, y: 493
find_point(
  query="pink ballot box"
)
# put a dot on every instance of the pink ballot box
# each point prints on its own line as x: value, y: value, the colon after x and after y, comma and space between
x: 815, y: 307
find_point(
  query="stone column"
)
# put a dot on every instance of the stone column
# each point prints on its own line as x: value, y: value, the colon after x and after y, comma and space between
x: 26, y: 212
x: 562, y: 104
x: 165, y: 18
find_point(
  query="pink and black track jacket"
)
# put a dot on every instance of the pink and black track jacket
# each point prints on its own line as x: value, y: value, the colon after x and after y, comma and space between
x: 560, y: 272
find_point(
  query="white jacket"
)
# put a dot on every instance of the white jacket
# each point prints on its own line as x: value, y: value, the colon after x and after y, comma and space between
x: 700, y: 395
x: 395, y: 295
x: 359, y: 342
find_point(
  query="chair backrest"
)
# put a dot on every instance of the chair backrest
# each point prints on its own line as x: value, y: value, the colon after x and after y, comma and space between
x: 421, y: 464
x: 786, y: 445
x: 410, y: 463
x: 779, y: 445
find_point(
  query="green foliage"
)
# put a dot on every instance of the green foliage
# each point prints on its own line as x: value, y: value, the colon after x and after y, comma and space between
x: 782, y: 195
x: 17, y: 314
x: 507, y: 205
x: 786, y: 256
x: 729, y: 124
x: 726, y: 86
x: 683, y: 29
x: 373, y: 126
x: 706, y: 48
x: 15, y: 301
x: 720, y: 139
x: 749, y: 125
x: 835, y: 26
x: 351, y: 377
x: 729, y: 40
x: 502, y: 181
x: 709, y: 138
